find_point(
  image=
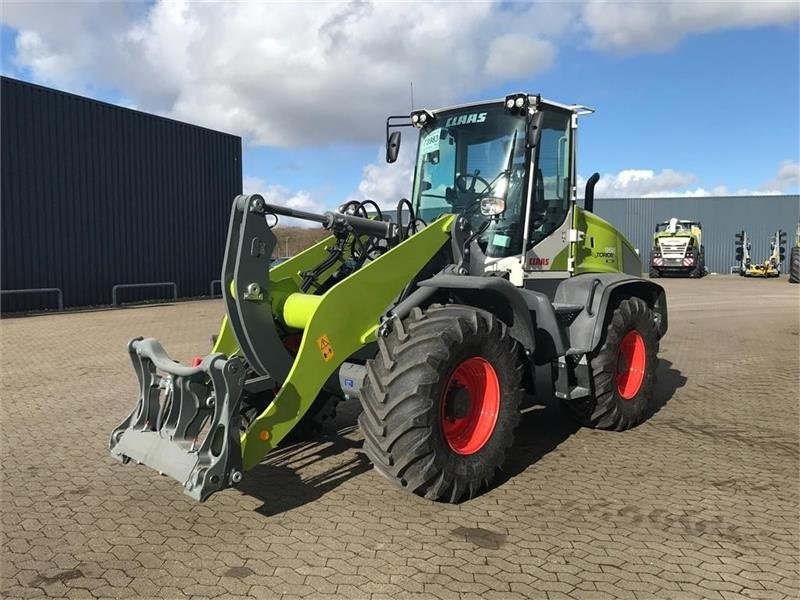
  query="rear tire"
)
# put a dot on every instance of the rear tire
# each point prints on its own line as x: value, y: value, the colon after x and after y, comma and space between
x: 654, y: 273
x: 441, y: 401
x: 622, y: 370
x: 794, y: 265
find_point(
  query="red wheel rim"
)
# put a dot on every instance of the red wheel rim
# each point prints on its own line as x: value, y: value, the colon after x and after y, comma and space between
x: 631, y: 363
x: 475, y: 389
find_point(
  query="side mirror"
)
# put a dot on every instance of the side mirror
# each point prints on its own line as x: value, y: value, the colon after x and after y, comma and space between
x: 534, y: 132
x: 393, y: 147
x: 588, y: 196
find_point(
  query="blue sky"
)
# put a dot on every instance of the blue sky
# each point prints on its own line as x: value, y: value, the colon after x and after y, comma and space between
x: 695, y: 103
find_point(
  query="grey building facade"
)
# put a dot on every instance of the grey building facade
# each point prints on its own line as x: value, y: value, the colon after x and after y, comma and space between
x: 94, y: 195
x: 722, y: 217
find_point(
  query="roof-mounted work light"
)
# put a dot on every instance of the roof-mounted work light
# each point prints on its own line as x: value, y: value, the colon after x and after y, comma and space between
x: 422, y: 118
x: 517, y: 103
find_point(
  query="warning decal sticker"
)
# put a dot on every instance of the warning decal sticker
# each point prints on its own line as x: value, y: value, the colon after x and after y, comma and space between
x: 325, y: 348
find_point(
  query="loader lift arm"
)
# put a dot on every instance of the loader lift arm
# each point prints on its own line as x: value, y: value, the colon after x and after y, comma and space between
x: 187, y: 419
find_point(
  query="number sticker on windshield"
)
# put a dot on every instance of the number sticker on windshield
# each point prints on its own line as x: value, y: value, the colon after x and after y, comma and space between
x: 431, y: 141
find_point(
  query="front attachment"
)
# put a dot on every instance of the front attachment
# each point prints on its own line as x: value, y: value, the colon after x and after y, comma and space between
x: 186, y: 422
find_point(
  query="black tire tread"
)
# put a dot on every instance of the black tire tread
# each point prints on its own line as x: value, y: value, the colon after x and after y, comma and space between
x: 399, y: 393
x: 603, y: 409
x: 794, y: 265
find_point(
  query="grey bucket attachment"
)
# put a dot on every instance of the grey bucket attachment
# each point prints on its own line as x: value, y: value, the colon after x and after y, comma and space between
x: 186, y: 421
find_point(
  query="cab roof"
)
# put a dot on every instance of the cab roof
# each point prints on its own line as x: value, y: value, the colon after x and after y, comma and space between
x: 578, y: 109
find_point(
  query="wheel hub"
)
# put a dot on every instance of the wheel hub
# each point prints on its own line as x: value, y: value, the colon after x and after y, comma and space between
x: 457, y: 403
x: 631, y: 364
x: 470, y: 405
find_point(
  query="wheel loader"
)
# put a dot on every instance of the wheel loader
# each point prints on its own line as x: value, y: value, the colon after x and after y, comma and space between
x: 678, y: 249
x: 771, y: 267
x: 435, y: 317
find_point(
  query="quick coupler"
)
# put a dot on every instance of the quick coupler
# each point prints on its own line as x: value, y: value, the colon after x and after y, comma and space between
x: 186, y: 421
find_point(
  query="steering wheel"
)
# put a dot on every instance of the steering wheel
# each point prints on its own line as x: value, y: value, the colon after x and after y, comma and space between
x: 471, y: 179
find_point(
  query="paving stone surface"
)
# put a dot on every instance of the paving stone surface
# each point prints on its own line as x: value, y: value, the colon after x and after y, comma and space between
x: 700, y: 501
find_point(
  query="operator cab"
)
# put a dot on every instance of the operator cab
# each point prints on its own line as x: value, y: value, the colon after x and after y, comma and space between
x: 510, y: 162
x: 677, y: 226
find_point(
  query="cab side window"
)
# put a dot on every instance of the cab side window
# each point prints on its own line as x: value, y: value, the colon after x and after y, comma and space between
x: 551, y: 186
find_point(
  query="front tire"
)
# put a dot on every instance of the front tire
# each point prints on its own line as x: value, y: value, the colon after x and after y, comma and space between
x: 699, y: 266
x: 441, y: 402
x: 622, y: 370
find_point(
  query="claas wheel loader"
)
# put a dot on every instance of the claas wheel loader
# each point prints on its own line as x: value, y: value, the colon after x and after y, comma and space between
x: 678, y: 249
x: 435, y: 317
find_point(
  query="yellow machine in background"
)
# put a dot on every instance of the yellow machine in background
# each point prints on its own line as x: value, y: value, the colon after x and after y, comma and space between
x: 771, y: 267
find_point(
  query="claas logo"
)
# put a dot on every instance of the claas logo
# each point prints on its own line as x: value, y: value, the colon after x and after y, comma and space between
x: 537, y: 261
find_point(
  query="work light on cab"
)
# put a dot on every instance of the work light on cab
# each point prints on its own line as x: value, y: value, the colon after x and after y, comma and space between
x: 421, y: 118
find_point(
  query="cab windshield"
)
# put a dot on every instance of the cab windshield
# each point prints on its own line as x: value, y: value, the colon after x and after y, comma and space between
x: 470, y: 154
x: 679, y: 227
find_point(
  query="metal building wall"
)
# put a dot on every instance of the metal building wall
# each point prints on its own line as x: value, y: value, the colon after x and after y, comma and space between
x: 95, y: 195
x: 722, y: 217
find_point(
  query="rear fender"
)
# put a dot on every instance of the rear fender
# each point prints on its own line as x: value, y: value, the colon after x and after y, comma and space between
x: 600, y: 293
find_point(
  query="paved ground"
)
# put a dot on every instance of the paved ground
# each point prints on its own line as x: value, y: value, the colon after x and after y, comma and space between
x: 701, y: 501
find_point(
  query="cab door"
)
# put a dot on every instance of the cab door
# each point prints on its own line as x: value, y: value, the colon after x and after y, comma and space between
x: 550, y: 218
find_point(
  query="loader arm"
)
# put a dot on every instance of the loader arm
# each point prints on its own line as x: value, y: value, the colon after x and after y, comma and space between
x: 186, y: 423
x: 335, y: 325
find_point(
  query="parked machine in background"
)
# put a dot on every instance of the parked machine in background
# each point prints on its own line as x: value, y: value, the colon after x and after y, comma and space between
x: 771, y: 266
x: 794, y: 258
x: 678, y: 249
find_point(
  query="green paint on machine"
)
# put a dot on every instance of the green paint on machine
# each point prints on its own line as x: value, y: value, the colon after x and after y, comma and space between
x: 602, y: 247
x: 338, y: 327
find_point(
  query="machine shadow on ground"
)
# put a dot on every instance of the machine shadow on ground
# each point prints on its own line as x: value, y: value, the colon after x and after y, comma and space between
x: 546, y: 424
x: 279, y: 483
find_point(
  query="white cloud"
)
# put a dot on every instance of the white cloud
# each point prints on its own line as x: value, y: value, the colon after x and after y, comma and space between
x: 297, y: 74
x: 515, y: 55
x: 386, y: 183
x: 787, y: 180
x: 282, y: 196
x: 653, y: 26
x: 646, y: 183
x: 641, y: 182
x: 284, y: 74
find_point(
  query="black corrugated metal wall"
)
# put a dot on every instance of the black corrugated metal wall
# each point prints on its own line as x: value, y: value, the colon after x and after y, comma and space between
x: 95, y: 195
x: 722, y: 217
